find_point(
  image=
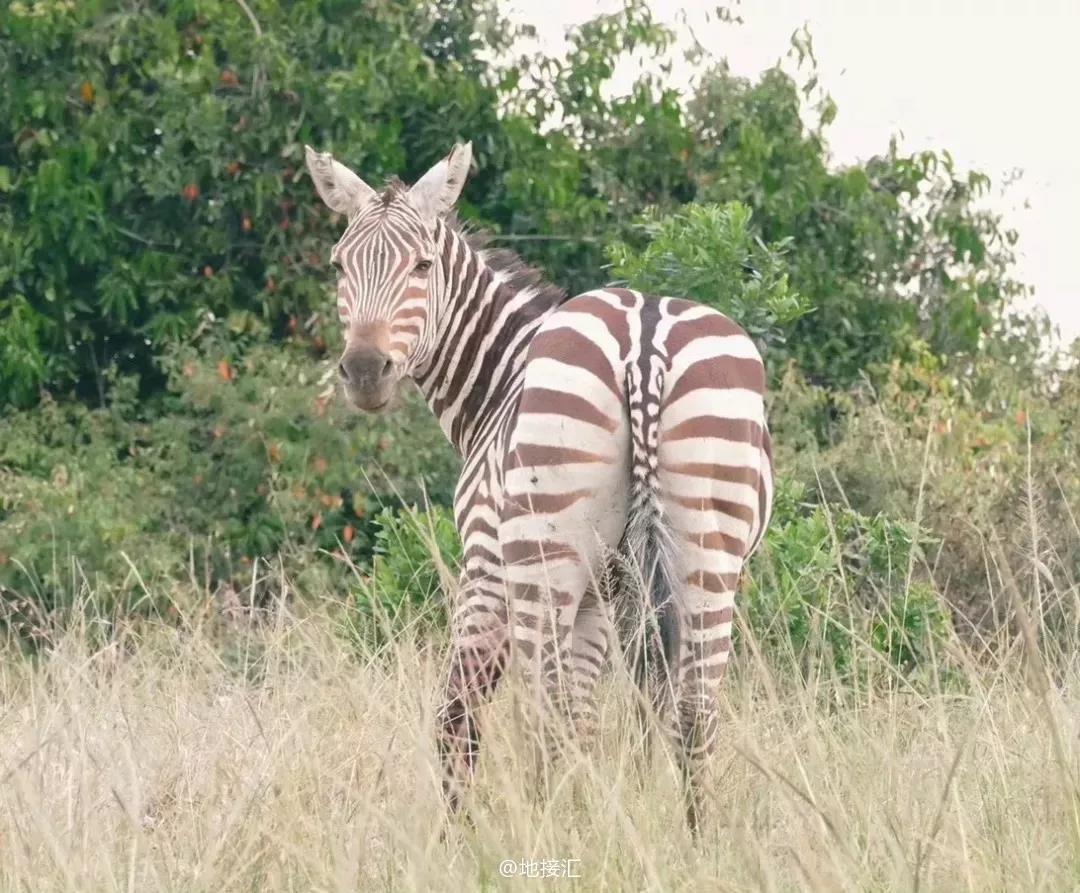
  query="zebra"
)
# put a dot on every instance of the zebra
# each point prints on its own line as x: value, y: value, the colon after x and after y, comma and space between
x: 591, y: 427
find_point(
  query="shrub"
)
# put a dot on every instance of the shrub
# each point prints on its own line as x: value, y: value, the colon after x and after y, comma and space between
x: 710, y: 253
x: 416, y: 556
x: 830, y: 582
x: 983, y: 453
x: 251, y: 461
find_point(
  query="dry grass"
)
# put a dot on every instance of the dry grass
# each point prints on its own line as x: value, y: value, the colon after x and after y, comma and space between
x: 274, y: 758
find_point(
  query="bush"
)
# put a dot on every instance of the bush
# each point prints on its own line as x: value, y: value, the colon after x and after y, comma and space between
x: 984, y: 454
x: 710, y: 254
x: 413, y: 570
x: 251, y: 461
x: 830, y: 582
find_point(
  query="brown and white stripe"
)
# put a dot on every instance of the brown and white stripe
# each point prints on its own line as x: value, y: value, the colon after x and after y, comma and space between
x: 610, y: 430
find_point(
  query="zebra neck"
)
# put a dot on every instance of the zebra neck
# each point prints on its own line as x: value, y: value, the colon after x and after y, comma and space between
x: 489, y: 313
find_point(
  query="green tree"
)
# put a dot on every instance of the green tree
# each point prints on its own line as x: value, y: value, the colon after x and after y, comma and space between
x: 893, y: 253
x: 709, y: 253
x: 150, y: 165
x: 889, y: 251
x: 151, y: 160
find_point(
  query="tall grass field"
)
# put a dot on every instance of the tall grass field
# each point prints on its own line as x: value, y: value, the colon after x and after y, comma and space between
x: 230, y: 748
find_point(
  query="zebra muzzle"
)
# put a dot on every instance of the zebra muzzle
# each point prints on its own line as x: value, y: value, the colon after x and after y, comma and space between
x: 369, y: 377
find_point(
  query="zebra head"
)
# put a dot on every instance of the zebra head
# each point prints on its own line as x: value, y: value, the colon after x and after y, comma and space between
x: 388, y: 271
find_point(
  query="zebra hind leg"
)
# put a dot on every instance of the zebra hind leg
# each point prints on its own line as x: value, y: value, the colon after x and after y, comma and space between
x: 589, y: 648
x: 706, y: 648
x: 656, y: 695
x: 546, y: 592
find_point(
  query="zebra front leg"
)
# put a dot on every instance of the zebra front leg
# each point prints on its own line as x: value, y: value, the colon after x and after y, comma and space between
x: 478, y: 661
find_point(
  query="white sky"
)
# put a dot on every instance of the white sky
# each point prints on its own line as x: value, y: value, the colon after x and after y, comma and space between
x: 993, y: 82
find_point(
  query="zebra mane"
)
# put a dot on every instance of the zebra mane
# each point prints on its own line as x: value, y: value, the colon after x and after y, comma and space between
x: 393, y: 188
x: 514, y: 272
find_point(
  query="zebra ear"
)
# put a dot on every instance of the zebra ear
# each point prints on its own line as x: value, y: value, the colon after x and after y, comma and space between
x: 435, y: 193
x: 338, y: 187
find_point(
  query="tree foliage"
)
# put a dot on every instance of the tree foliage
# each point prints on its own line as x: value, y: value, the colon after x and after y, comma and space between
x: 153, y: 160
x: 150, y: 162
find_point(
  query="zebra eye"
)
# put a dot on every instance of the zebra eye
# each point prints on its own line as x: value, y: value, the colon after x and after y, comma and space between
x: 422, y: 266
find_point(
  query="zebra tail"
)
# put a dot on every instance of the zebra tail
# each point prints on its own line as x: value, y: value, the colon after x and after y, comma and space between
x: 648, y: 550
